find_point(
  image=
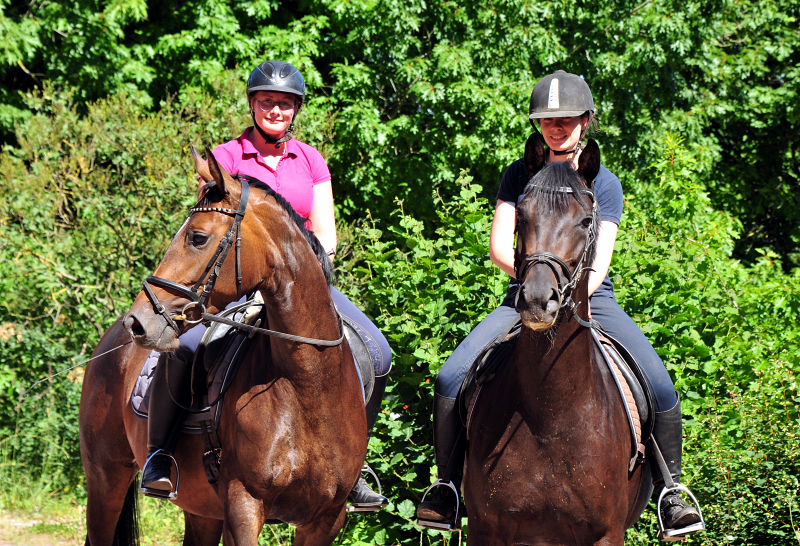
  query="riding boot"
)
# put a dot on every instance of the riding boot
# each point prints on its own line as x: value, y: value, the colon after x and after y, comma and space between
x: 164, y: 422
x: 679, y: 519
x: 362, y: 498
x: 438, y: 509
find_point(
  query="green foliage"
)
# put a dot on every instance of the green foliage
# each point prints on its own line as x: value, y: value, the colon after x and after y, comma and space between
x: 426, y: 294
x: 415, y: 91
x: 418, y: 106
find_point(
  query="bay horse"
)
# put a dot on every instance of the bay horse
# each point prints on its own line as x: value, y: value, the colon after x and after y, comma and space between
x: 293, y: 427
x: 549, y: 442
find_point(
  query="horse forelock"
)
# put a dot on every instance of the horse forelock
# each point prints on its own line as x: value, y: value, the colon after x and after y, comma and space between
x: 546, y: 189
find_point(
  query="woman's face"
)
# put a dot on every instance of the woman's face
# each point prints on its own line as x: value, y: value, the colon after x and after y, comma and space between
x: 563, y: 133
x: 273, y: 111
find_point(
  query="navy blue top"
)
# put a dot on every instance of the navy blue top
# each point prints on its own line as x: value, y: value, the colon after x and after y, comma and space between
x: 607, y: 191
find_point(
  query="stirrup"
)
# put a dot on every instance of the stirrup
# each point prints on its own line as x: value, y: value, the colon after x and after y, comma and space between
x: 372, y: 508
x: 675, y: 535
x: 452, y: 525
x: 160, y: 493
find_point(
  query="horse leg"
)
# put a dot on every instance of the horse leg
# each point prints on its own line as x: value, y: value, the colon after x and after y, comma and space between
x: 201, y: 531
x: 110, y: 494
x: 322, y: 532
x: 244, y: 517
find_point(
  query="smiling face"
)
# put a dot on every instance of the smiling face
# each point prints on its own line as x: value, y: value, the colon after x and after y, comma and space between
x: 276, y: 120
x: 563, y: 133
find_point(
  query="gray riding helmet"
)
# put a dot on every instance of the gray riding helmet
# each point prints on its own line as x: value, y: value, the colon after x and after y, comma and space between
x: 560, y: 95
x: 277, y: 76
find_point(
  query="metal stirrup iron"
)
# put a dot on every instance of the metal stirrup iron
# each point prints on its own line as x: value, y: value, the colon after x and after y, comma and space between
x: 160, y: 493
x: 673, y: 535
x: 455, y: 523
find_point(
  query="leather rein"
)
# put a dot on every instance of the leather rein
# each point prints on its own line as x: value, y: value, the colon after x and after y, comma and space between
x: 566, y: 278
x: 197, y: 303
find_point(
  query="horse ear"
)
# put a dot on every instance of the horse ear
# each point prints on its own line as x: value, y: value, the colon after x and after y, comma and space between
x: 218, y: 174
x: 200, y: 166
x: 534, y: 154
x: 589, y: 162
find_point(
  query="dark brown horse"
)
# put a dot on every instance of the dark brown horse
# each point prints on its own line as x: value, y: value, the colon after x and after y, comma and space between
x: 293, y: 427
x: 549, y: 443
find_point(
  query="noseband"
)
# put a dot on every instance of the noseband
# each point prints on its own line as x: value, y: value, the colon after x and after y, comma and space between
x: 566, y: 278
x: 212, y: 271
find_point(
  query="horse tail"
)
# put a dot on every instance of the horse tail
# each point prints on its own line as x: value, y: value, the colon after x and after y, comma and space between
x: 127, y: 530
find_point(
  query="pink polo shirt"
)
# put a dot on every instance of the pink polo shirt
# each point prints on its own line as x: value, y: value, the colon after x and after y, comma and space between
x: 299, y: 170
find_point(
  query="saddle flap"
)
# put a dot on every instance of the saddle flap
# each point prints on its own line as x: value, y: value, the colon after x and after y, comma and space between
x: 362, y: 356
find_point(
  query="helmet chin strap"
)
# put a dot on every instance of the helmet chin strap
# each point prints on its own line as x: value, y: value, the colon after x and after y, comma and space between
x: 271, y: 139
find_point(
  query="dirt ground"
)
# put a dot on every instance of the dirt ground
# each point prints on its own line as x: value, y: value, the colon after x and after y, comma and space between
x: 22, y: 530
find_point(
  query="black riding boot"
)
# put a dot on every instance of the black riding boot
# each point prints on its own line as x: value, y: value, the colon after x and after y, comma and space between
x: 362, y: 498
x: 164, y: 419
x: 679, y: 519
x: 438, y: 509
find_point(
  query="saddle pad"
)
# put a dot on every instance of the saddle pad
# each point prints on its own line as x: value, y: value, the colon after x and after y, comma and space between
x: 627, y: 395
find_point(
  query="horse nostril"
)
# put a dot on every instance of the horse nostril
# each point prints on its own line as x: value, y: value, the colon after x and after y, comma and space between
x: 553, y: 304
x: 136, y: 327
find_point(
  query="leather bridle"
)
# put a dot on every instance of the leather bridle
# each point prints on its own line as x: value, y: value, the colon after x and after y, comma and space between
x: 566, y: 278
x: 212, y: 271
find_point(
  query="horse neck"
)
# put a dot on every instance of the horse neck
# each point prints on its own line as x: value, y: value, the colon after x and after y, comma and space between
x: 559, y: 366
x: 296, y: 295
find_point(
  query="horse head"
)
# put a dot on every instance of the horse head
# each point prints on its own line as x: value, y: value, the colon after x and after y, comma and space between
x: 196, y: 274
x: 556, y: 229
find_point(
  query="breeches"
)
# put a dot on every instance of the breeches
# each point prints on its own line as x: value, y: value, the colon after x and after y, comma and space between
x: 605, y: 310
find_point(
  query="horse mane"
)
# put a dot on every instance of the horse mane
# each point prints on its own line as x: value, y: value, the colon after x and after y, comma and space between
x: 300, y: 222
x: 546, y: 188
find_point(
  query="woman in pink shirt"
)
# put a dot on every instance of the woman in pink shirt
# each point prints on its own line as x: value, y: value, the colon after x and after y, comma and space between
x: 297, y: 171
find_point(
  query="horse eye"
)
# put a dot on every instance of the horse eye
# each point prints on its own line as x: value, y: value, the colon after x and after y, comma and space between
x: 587, y: 222
x: 197, y: 239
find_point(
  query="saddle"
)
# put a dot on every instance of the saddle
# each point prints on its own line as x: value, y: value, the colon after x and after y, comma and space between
x: 216, y: 362
x: 633, y: 389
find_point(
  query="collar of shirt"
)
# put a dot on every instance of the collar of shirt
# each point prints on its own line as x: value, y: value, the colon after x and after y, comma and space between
x: 249, y: 148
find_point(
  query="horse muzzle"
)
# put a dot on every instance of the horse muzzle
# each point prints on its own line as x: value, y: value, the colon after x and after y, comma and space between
x: 150, y: 331
x: 538, y: 304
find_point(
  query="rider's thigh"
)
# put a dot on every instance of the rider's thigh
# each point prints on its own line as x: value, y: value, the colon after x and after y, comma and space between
x: 619, y: 325
x: 457, y: 366
x: 348, y: 309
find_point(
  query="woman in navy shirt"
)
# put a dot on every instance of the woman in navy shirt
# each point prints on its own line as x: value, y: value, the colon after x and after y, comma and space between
x: 563, y: 106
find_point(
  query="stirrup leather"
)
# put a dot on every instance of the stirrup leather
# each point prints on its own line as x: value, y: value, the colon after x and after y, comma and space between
x: 675, y: 535
x: 369, y: 508
x: 160, y: 493
x: 452, y: 525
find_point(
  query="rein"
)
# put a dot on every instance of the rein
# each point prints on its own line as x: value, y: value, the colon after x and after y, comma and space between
x: 212, y: 271
x: 570, y: 278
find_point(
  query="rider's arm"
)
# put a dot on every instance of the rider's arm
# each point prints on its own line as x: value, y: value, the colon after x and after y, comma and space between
x: 322, y: 216
x: 604, y: 249
x: 501, y: 240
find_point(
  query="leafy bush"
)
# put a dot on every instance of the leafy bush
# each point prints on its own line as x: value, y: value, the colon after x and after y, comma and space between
x: 92, y: 200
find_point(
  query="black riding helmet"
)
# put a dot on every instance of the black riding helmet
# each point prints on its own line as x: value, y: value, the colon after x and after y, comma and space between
x: 561, y: 95
x: 276, y: 76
